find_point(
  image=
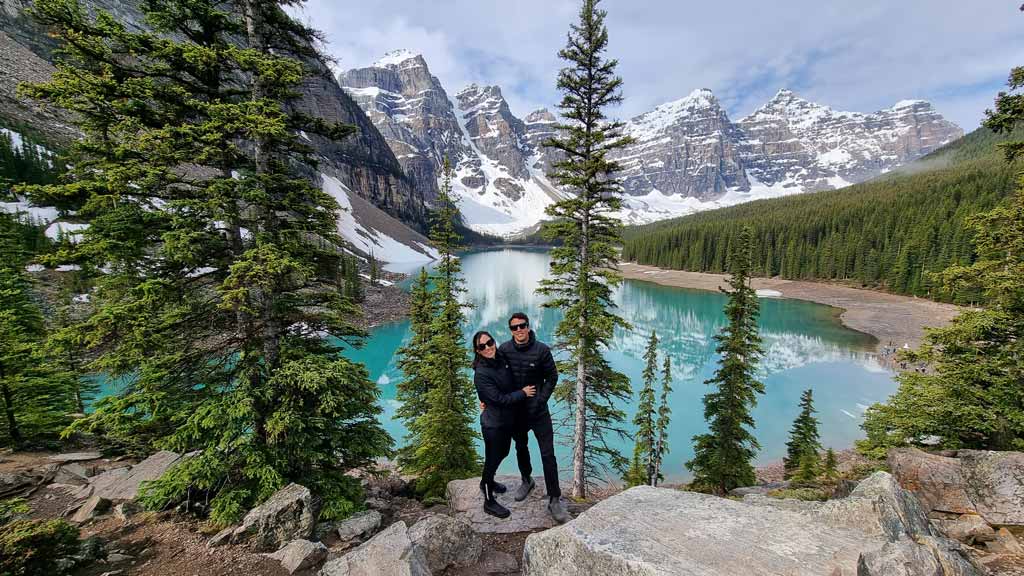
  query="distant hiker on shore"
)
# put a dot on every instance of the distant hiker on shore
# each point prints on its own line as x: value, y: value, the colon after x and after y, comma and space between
x: 496, y: 388
x: 532, y: 365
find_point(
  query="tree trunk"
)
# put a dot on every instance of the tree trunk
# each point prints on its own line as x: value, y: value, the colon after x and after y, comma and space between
x: 12, y: 422
x: 579, y: 457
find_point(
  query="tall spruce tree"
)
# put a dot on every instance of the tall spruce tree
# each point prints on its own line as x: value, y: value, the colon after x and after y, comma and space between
x: 35, y: 395
x: 722, y: 456
x: 973, y: 397
x: 664, y: 416
x: 584, y: 264
x: 642, y: 467
x: 803, y: 436
x: 412, y: 390
x: 222, y: 260
x: 445, y: 435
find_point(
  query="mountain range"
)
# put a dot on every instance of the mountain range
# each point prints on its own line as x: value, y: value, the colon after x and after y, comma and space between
x: 687, y: 155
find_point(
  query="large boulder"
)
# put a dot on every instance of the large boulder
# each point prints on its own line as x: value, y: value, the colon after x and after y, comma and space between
x: 657, y: 531
x: 994, y: 482
x: 287, y: 515
x: 446, y: 542
x: 120, y: 484
x: 466, y: 501
x: 969, y: 529
x: 389, y: 553
x: 937, y: 481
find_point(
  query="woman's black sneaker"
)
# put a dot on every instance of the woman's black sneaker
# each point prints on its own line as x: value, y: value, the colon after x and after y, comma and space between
x: 494, y: 508
x: 500, y: 488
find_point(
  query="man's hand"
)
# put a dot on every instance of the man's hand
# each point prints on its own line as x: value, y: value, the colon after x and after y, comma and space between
x: 530, y: 391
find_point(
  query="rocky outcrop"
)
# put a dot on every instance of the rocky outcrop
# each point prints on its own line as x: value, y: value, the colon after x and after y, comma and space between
x: 989, y: 484
x: 359, y: 525
x: 287, y: 515
x: 466, y: 502
x: 364, y: 161
x: 657, y: 531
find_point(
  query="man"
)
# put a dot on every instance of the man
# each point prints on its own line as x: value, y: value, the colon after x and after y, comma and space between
x: 532, y: 365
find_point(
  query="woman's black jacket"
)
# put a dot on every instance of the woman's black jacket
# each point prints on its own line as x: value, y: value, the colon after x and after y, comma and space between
x: 496, y: 388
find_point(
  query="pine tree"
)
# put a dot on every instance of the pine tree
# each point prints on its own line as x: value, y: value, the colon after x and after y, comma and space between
x: 807, y: 472
x: 413, y: 389
x: 830, y: 468
x: 973, y: 397
x: 584, y: 264
x: 374, y: 271
x: 35, y: 396
x: 642, y: 467
x: 803, y: 436
x: 664, y: 415
x: 722, y: 456
x: 223, y: 260
x: 444, y: 431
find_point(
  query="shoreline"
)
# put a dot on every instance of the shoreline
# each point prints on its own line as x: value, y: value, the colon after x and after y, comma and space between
x: 887, y: 317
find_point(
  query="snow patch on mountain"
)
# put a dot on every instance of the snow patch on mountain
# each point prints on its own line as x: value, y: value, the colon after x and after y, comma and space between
x: 369, y: 241
x: 395, y: 58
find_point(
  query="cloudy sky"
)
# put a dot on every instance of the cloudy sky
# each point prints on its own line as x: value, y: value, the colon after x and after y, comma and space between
x: 859, y: 55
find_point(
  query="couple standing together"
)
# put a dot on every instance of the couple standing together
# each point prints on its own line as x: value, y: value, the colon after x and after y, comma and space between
x: 514, y: 382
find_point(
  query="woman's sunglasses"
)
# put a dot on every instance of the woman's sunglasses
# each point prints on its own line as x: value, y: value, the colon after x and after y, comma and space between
x: 485, y: 345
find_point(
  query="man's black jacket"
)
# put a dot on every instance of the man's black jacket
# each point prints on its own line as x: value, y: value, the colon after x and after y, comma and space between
x: 496, y: 388
x: 532, y: 364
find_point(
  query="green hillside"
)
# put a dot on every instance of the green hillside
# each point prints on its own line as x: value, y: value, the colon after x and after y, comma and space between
x: 889, y: 233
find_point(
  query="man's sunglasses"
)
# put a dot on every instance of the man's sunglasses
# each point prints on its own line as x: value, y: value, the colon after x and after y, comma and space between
x: 485, y: 345
x: 517, y: 327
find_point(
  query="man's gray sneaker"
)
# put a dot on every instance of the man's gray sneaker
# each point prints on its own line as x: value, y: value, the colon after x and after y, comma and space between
x: 524, y: 490
x: 558, y: 511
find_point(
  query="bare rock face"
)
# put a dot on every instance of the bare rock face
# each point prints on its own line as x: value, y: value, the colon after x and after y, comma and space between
x: 994, y: 482
x: 936, y: 480
x: 651, y: 531
x: 686, y: 147
x: 540, y: 127
x: 93, y: 507
x: 969, y: 529
x: 389, y: 553
x: 466, y: 502
x: 494, y: 131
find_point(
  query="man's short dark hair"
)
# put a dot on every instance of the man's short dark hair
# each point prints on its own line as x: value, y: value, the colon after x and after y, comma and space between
x: 518, y: 316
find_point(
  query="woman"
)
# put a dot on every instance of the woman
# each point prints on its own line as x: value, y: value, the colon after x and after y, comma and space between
x: 495, y: 387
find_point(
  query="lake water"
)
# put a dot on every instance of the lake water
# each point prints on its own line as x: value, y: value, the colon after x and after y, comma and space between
x: 806, y: 347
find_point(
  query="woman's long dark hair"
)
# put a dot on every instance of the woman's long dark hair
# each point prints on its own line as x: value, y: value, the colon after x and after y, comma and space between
x: 476, y: 338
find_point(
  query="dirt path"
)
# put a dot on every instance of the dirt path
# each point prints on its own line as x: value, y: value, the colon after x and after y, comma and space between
x: 888, y: 317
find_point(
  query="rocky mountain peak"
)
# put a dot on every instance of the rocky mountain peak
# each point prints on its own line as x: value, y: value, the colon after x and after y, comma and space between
x: 400, y: 59
x: 541, y: 116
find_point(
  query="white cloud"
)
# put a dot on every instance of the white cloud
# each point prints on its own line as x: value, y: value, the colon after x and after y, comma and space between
x: 850, y: 55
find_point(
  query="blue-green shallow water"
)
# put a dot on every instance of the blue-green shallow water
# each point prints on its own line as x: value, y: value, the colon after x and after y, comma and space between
x: 805, y: 345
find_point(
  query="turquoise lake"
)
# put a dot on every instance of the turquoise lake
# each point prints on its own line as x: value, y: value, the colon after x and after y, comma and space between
x: 805, y: 345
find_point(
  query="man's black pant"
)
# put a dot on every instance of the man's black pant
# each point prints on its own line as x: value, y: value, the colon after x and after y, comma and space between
x: 497, y: 443
x: 545, y: 435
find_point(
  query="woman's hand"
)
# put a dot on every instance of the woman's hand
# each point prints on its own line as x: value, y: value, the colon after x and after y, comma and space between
x: 530, y: 391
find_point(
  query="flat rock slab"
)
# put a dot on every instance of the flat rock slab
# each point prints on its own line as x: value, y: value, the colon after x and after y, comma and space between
x: 75, y: 457
x: 656, y: 532
x: 122, y: 484
x: 466, y: 501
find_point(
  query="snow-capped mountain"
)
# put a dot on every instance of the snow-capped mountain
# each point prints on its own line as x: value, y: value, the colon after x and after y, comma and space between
x: 687, y: 155
x: 497, y: 159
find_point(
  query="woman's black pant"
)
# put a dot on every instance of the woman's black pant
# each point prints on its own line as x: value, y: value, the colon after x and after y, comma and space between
x: 497, y: 443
